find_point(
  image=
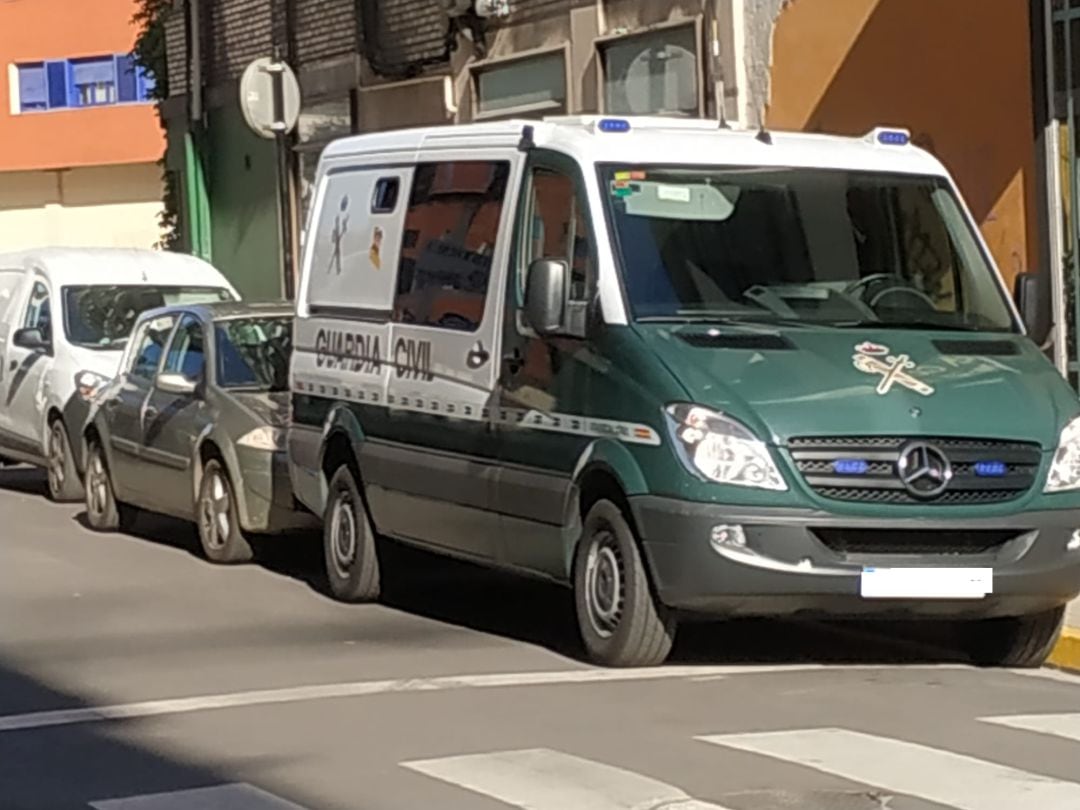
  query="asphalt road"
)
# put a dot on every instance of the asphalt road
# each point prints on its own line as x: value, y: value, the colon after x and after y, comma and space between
x: 135, y: 676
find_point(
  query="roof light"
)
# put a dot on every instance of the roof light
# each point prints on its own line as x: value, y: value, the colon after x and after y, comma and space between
x: 891, y: 137
x: 613, y: 125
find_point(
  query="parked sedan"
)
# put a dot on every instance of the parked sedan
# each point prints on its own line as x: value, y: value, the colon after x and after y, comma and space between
x: 194, y: 427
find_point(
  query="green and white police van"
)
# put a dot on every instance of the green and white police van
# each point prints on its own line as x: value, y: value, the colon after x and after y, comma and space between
x: 686, y: 371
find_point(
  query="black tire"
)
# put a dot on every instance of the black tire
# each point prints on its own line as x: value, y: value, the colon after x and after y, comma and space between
x: 218, y: 518
x: 1019, y: 642
x: 621, y: 622
x: 352, y: 560
x: 64, y: 483
x: 102, y: 511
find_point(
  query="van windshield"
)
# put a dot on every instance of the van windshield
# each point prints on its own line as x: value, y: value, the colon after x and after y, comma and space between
x: 101, y: 316
x: 815, y: 246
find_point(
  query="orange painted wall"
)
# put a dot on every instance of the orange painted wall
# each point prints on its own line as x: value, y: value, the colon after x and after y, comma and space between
x: 954, y: 73
x: 35, y: 30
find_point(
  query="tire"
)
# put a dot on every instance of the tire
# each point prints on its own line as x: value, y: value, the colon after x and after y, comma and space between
x: 1020, y: 642
x: 352, y: 561
x: 64, y: 483
x: 218, y: 518
x: 102, y: 510
x: 621, y: 623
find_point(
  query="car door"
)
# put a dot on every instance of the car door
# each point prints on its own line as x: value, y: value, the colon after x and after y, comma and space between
x: 545, y: 383
x: 173, y: 421
x: 436, y: 466
x: 26, y: 372
x: 124, y: 411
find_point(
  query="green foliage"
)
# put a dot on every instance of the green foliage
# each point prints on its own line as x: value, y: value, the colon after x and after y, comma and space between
x: 150, y: 55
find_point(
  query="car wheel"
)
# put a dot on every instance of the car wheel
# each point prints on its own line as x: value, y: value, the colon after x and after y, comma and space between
x: 102, y: 511
x: 218, y: 518
x: 64, y: 484
x: 352, y: 562
x: 1021, y: 642
x: 621, y: 623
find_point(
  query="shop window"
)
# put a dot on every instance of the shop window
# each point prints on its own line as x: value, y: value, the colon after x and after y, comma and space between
x: 518, y: 87
x: 451, y: 228
x: 655, y: 73
x: 73, y: 83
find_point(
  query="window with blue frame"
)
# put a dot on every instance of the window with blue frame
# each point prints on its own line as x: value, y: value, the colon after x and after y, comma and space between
x: 74, y: 83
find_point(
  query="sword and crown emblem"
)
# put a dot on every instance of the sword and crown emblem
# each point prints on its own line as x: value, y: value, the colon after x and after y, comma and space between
x: 894, y: 369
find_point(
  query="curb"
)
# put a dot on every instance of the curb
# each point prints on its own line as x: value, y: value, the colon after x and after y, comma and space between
x: 1066, y: 653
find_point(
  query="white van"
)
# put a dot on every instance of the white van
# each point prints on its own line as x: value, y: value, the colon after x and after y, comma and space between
x: 65, y: 317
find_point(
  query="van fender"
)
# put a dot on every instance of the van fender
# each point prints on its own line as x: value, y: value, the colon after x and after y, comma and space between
x: 341, y: 421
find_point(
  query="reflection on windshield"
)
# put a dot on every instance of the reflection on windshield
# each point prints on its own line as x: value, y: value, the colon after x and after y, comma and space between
x: 254, y: 353
x: 809, y: 246
x: 102, y: 316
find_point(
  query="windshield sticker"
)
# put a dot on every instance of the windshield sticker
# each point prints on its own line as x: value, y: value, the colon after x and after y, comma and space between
x: 673, y: 193
x: 873, y: 358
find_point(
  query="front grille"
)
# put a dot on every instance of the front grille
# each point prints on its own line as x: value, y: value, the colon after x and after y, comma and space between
x: 904, y: 541
x: 825, y: 463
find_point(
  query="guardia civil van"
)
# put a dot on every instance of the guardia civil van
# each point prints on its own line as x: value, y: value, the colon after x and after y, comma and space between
x: 685, y: 370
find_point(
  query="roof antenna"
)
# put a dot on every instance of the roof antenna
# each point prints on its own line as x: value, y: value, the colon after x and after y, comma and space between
x: 526, y: 143
x: 763, y: 134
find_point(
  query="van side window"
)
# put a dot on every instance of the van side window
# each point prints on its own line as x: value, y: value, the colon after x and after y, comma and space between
x: 39, y: 311
x: 151, y: 345
x: 451, y: 228
x: 557, y: 228
x: 385, y: 198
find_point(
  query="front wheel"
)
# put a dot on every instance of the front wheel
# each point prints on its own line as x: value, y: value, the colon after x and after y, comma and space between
x: 103, y: 512
x: 352, y: 562
x: 1021, y: 642
x: 621, y: 623
x: 220, y: 534
x: 64, y: 483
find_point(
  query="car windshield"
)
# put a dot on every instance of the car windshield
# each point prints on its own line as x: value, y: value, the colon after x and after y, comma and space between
x: 254, y: 353
x: 102, y: 316
x: 804, y: 246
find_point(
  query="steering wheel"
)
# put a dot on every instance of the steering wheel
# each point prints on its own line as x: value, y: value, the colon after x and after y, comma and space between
x: 898, y: 286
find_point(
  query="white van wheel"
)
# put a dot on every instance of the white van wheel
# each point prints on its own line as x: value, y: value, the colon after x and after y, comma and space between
x: 64, y: 484
x: 621, y: 623
x: 1021, y: 642
x: 352, y: 563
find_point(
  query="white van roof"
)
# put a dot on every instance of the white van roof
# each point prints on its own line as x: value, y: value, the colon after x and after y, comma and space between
x: 71, y: 266
x: 657, y: 140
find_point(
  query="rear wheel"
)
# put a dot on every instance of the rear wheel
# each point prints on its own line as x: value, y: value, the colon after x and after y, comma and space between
x: 621, y: 623
x: 218, y: 518
x: 352, y: 562
x: 1015, y: 641
x: 64, y: 484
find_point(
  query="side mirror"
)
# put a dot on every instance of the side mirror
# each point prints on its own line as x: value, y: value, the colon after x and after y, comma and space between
x: 545, y: 295
x: 1034, y: 305
x: 175, y: 384
x: 31, y: 338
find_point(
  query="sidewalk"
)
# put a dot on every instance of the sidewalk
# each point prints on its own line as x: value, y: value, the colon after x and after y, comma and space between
x: 1067, y: 652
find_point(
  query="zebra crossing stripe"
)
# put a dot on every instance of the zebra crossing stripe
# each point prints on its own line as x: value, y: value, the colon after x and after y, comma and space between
x: 1057, y: 725
x: 222, y: 797
x: 540, y: 779
x: 950, y: 779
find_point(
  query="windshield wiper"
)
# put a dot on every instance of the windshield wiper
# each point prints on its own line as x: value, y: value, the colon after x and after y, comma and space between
x: 910, y: 325
x: 726, y: 320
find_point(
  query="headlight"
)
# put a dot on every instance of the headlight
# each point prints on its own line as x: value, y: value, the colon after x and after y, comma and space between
x: 263, y: 438
x: 721, y: 449
x: 1064, y: 472
x: 88, y: 383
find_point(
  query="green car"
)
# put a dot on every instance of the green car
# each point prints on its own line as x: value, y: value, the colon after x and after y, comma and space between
x: 685, y: 371
x: 194, y: 427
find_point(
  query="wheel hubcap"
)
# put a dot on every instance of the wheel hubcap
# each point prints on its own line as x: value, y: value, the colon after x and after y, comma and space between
x: 343, y: 535
x: 97, y: 485
x: 604, y: 585
x: 56, y: 458
x: 215, y: 517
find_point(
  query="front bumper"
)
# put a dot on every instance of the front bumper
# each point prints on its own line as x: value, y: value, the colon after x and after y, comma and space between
x: 787, y: 568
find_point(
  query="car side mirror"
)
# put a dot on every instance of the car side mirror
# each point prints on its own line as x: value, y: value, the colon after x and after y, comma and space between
x: 1034, y: 304
x: 32, y: 339
x: 545, y: 295
x: 175, y: 384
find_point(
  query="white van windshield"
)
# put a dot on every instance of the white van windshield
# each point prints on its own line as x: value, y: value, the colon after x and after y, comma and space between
x: 829, y: 247
x: 101, y: 316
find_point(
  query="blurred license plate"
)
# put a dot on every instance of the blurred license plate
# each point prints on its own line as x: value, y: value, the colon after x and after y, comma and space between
x: 926, y: 583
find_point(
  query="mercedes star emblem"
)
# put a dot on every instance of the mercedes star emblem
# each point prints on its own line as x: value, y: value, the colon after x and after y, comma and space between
x: 924, y: 470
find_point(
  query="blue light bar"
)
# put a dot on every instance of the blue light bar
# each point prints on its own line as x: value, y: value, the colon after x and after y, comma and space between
x: 613, y: 125
x: 990, y: 469
x: 893, y: 137
x: 850, y: 466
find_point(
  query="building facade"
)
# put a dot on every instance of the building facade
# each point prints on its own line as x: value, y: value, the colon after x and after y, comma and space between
x: 963, y: 79
x: 80, y: 138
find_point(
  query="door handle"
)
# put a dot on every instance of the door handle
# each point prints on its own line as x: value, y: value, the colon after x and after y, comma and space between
x: 477, y: 356
x: 150, y: 412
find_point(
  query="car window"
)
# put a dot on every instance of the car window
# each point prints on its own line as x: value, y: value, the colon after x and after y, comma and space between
x: 557, y: 228
x: 152, y: 339
x: 38, y: 311
x: 186, y: 353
